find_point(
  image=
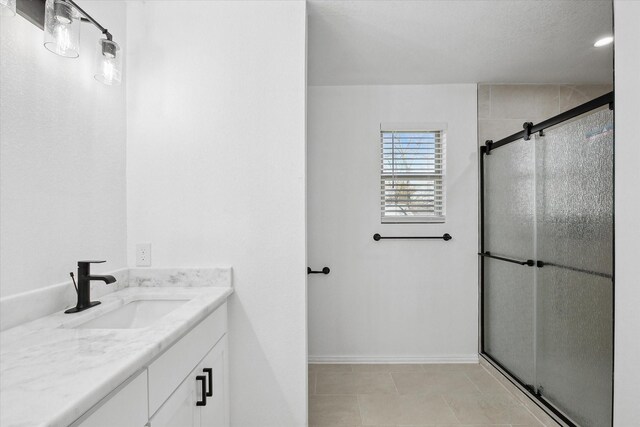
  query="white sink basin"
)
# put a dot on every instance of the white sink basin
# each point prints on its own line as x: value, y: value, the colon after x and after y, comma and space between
x: 133, y: 315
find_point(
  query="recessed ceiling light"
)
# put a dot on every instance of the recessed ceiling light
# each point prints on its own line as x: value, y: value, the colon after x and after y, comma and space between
x: 604, y: 41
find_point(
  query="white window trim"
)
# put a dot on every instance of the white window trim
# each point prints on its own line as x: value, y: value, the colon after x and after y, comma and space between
x: 417, y: 127
x: 413, y: 127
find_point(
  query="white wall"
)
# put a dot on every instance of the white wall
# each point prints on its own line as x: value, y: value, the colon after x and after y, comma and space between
x: 216, y: 176
x: 392, y: 299
x: 627, y: 208
x: 62, y: 158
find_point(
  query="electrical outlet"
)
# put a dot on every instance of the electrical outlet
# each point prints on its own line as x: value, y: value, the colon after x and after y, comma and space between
x: 143, y: 255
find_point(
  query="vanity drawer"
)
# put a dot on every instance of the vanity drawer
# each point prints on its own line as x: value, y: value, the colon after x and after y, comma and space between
x: 168, y: 371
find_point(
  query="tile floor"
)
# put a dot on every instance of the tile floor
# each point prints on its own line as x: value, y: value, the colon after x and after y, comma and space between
x: 412, y: 395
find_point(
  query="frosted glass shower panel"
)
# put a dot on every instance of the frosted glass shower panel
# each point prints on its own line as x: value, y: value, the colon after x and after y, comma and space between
x: 509, y: 317
x: 574, y: 354
x: 509, y: 200
x: 574, y: 227
x: 574, y: 200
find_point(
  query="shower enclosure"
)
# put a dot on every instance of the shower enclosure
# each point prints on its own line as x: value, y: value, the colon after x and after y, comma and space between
x: 546, y: 261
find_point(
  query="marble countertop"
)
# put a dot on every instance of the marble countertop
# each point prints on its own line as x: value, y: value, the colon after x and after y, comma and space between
x: 51, y: 374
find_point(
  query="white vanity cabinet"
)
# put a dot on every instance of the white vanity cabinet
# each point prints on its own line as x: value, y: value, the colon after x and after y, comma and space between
x: 215, y: 413
x: 186, y: 386
x: 201, y: 399
x: 126, y: 406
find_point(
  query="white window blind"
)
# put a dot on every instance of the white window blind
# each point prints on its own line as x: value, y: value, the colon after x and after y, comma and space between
x: 412, y: 176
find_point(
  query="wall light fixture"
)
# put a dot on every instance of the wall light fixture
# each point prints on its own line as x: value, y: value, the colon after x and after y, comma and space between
x: 62, y: 28
x: 62, y: 22
x: 109, y: 62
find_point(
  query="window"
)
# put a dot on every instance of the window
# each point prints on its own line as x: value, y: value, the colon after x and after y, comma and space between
x: 412, y: 175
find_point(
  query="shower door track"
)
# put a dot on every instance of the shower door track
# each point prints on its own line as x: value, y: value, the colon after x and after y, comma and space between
x: 540, y: 401
x: 530, y: 129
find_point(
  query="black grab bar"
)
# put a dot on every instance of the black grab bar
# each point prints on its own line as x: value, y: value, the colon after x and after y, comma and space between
x: 446, y: 237
x: 325, y: 270
x: 528, y: 262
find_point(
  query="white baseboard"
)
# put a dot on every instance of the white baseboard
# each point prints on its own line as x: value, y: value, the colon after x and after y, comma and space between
x: 467, y: 358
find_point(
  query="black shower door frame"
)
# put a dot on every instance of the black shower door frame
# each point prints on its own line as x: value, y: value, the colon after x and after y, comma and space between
x: 529, y: 129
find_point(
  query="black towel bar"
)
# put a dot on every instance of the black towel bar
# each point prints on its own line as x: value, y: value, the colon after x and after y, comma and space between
x: 446, y: 237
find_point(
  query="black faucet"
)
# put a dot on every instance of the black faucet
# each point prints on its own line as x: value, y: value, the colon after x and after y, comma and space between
x: 84, y: 289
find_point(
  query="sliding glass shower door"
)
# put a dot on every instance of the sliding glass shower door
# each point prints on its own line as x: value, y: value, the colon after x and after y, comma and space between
x: 548, y: 265
x: 509, y: 231
x: 574, y: 227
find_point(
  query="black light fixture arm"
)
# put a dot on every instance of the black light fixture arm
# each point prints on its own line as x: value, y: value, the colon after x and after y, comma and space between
x: 88, y: 18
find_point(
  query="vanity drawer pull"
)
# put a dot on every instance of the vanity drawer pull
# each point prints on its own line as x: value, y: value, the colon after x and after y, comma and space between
x: 202, y: 402
x: 209, y: 372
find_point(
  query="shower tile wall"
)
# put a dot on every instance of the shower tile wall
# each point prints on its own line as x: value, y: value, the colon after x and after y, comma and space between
x: 502, y: 109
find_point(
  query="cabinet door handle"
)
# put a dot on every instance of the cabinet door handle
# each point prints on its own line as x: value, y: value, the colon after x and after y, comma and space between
x: 202, y: 402
x: 209, y: 372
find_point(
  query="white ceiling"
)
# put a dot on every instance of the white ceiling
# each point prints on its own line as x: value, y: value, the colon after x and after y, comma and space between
x: 458, y: 41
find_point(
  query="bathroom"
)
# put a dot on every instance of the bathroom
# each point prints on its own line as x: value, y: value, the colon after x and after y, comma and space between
x: 230, y: 163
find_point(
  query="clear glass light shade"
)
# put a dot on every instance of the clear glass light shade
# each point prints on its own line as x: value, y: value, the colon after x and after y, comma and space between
x: 62, y: 28
x: 108, y: 62
x: 7, y: 7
